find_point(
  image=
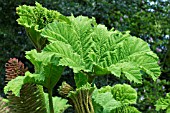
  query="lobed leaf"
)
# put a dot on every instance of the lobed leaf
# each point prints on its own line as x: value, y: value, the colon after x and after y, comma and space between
x: 14, y: 85
x: 115, y: 99
x: 48, y: 72
x: 47, y: 66
x: 129, y: 56
x: 83, y: 45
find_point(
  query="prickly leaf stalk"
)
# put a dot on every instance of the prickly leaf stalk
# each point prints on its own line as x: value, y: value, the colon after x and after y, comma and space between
x: 82, y: 99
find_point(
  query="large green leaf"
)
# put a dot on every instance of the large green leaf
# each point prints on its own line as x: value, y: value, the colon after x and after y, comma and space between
x: 41, y: 59
x: 47, y: 65
x: 106, y: 100
x: 16, y: 84
x: 100, y: 51
x: 77, y: 35
x: 115, y: 99
x: 128, y: 55
x: 134, y: 56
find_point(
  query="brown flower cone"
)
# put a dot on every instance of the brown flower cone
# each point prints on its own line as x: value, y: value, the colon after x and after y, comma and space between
x: 14, y: 68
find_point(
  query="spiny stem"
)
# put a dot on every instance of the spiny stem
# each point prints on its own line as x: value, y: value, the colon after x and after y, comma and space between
x: 50, y: 100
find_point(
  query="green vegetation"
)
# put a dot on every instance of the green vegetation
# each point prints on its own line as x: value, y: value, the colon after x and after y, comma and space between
x: 148, y: 20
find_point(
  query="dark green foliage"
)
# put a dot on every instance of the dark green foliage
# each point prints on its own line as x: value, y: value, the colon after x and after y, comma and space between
x: 163, y: 103
x: 149, y: 92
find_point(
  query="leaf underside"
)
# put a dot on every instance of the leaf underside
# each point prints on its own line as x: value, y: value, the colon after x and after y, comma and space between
x: 47, y: 66
x: 31, y: 100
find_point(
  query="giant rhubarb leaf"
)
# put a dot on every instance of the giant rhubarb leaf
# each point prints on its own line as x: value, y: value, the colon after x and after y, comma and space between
x: 85, y: 46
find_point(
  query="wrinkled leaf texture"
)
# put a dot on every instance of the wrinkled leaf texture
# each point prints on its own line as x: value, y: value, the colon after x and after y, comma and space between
x: 84, y: 45
x: 34, y: 19
x: 115, y: 99
x: 35, y: 16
